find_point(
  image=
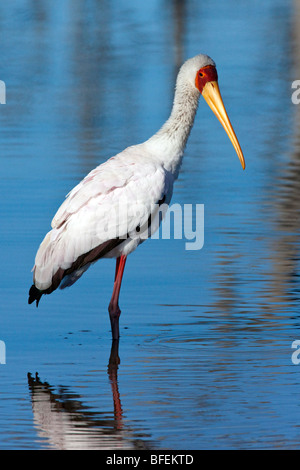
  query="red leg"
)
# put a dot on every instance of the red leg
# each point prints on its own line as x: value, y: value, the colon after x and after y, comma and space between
x: 114, y: 310
x: 117, y: 267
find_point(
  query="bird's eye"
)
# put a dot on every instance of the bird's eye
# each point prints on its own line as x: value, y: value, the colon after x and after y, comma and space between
x: 201, y: 74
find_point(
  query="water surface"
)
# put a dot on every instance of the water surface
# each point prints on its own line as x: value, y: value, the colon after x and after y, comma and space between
x: 204, y: 359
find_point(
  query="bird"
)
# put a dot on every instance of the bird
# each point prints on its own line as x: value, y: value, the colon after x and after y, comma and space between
x: 106, y: 214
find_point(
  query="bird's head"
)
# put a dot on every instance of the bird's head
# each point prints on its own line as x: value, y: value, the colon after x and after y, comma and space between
x: 201, y: 72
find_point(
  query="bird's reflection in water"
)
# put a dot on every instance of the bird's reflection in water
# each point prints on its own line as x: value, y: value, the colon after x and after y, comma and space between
x: 66, y: 423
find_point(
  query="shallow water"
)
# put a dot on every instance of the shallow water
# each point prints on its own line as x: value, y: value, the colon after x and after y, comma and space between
x: 204, y: 359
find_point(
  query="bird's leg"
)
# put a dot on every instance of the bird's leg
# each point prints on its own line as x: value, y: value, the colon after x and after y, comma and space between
x: 113, y: 308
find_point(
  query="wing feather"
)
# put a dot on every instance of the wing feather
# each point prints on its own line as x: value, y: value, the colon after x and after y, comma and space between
x: 109, y: 203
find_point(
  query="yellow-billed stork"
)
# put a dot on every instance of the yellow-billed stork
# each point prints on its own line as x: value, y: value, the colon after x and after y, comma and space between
x: 85, y: 228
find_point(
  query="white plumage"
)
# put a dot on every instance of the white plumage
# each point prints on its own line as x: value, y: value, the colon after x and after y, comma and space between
x: 123, y: 185
x: 102, y: 215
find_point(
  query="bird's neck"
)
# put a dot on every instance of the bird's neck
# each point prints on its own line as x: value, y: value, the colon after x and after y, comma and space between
x: 169, y: 142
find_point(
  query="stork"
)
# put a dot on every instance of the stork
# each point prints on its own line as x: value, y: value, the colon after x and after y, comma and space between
x: 143, y: 175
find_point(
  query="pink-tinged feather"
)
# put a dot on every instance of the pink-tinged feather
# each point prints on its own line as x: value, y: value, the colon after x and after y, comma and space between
x: 85, y: 220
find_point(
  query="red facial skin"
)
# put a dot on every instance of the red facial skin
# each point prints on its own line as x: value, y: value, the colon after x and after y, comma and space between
x: 204, y: 75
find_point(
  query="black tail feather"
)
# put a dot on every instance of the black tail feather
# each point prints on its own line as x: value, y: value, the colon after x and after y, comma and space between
x: 83, y: 261
x: 34, y: 294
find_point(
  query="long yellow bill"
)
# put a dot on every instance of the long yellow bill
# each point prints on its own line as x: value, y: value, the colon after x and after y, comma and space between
x: 211, y: 94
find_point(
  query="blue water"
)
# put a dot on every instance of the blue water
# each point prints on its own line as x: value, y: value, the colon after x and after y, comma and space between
x: 205, y: 349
